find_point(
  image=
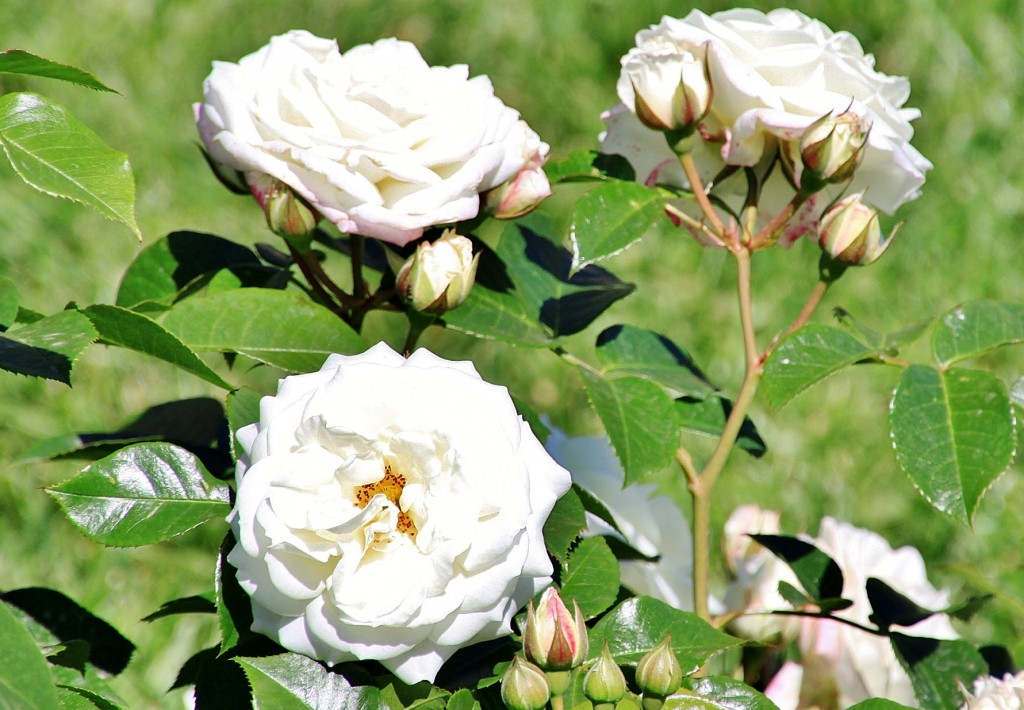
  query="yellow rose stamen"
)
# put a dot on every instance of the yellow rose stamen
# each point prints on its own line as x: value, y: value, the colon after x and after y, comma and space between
x: 391, y: 487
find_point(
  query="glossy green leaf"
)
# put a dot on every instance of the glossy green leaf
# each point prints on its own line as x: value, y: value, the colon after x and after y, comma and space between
x: 637, y: 625
x: 79, y: 699
x: 639, y: 419
x: 462, y: 700
x: 611, y: 218
x: 421, y: 696
x: 589, y: 165
x: 18, y: 61
x: 127, y: 329
x: 183, y: 261
x: 954, y: 434
x: 718, y: 692
x: 57, y: 154
x: 564, y: 524
x: 498, y: 315
x: 24, y: 674
x: 196, y: 604
x: 48, y: 347
x: 541, y: 273
x: 638, y: 352
x: 879, y: 704
x: 279, y: 328
x: 708, y: 417
x: 234, y: 609
x: 52, y: 618
x: 293, y: 682
x: 975, y: 328
x: 8, y: 303
x: 591, y: 576
x: 817, y: 573
x: 807, y: 357
x: 143, y: 494
x: 243, y: 409
x: 938, y: 669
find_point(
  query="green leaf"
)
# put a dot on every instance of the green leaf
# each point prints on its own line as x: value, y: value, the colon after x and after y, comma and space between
x: 878, y: 704
x: 52, y: 618
x: 591, y: 576
x: 1017, y: 392
x: 718, y: 692
x: 498, y: 315
x: 564, y: 524
x: 143, y: 494
x: 57, y: 154
x: 890, y: 607
x: 196, y: 604
x: 24, y: 674
x: 278, y: 328
x: 462, y: 700
x: 290, y: 681
x: 611, y: 218
x: 75, y: 699
x: 243, y: 409
x: 954, y: 434
x: 48, y: 347
x: 975, y: 328
x: 807, y: 357
x: 939, y: 669
x: 8, y: 303
x: 640, y: 420
x: 589, y: 165
x: 637, y: 625
x: 889, y: 343
x: 638, y: 352
x: 817, y: 573
x: 708, y: 416
x: 127, y: 329
x: 234, y: 608
x: 18, y: 61
x: 183, y: 262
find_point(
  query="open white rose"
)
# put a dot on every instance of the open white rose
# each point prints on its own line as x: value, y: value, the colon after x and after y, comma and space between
x: 772, y: 76
x: 649, y: 522
x: 391, y: 509
x: 375, y: 140
x: 992, y: 693
x: 842, y: 665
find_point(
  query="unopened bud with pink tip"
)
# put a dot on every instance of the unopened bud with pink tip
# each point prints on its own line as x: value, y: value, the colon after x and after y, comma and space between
x: 830, y: 150
x: 439, y: 276
x: 287, y: 214
x: 851, y: 234
x: 520, y: 195
x: 554, y: 639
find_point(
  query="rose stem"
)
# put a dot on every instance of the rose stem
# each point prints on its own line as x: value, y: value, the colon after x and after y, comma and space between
x: 690, y: 168
x: 319, y: 294
x: 358, y: 285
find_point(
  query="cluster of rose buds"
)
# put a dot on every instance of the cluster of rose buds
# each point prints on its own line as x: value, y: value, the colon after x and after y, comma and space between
x: 555, y: 643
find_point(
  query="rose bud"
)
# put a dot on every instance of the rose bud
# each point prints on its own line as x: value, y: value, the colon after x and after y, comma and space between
x: 520, y: 195
x: 554, y: 639
x: 850, y: 233
x: 671, y: 86
x: 287, y: 214
x: 524, y: 686
x: 439, y: 276
x: 831, y: 149
x: 658, y: 672
x: 604, y: 682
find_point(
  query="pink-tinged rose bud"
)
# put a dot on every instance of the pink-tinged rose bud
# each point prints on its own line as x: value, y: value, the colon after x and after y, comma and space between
x: 520, y: 195
x: 439, y: 276
x: 554, y: 639
x: 831, y: 150
x: 671, y: 86
x: 851, y: 234
x: 524, y: 686
x: 287, y: 214
x: 658, y: 672
x: 604, y: 682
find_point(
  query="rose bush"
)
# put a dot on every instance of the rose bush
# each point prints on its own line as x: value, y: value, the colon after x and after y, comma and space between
x: 772, y: 76
x: 390, y: 509
x: 840, y: 665
x: 375, y: 140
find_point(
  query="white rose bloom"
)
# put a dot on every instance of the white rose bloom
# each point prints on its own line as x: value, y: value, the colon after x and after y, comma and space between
x: 375, y: 140
x: 842, y: 664
x: 773, y: 75
x: 649, y: 522
x: 391, y: 509
x: 994, y: 694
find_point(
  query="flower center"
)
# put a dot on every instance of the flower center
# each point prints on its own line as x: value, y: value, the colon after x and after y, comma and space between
x: 391, y: 487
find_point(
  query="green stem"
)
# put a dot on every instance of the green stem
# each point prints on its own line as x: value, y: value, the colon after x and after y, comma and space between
x: 690, y: 168
x: 358, y: 244
x: 306, y: 261
x: 746, y: 305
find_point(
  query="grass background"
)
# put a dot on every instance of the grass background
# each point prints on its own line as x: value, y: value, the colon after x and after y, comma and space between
x: 557, y: 63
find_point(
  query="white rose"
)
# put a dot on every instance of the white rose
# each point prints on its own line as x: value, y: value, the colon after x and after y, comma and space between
x: 842, y: 664
x: 391, y: 509
x: 773, y: 75
x: 992, y: 693
x: 649, y: 522
x: 375, y: 140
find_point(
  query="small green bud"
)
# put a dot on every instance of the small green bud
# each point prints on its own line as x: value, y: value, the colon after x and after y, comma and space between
x: 524, y: 686
x: 287, y: 214
x: 604, y: 681
x: 553, y: 638
x: 659, y: 672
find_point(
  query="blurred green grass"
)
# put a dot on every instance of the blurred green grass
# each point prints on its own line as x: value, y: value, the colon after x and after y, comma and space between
x: 556, y: 63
